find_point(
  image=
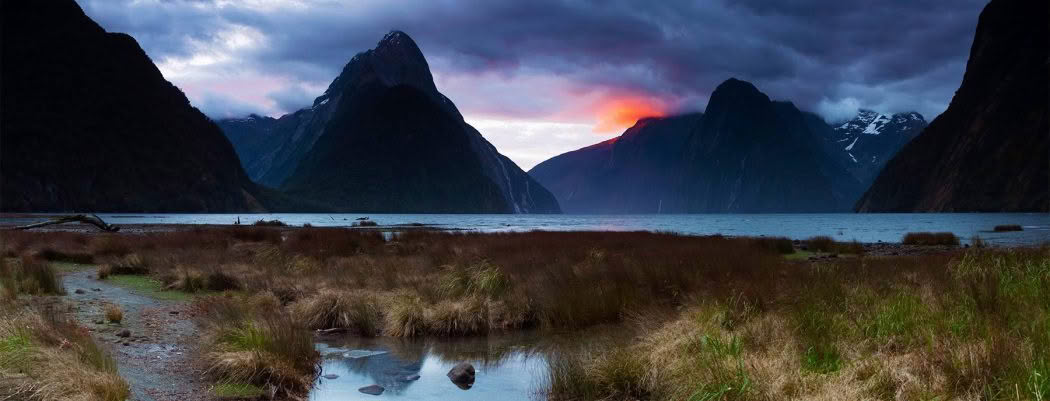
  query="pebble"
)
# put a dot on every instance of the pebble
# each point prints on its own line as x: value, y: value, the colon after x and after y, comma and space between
x: 374, y: 389
x: 124, y: 333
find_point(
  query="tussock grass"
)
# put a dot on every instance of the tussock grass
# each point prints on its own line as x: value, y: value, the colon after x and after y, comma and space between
x: 54, y: 255
x: 968, y: 325
x: 930, y: 239
x: 130, y: 264
x: 45, y: 357
x: 30, y: 276
x: 253, y: 345
x: 358, y: 311
x: 113, y: 313
x: 825, y: 243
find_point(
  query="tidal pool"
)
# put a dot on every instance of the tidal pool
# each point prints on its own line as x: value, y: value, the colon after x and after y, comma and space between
x: 509, y: 367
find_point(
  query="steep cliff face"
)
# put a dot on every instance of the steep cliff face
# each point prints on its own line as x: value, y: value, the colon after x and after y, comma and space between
x: 90, y: 124
x: 383, y: 139
x: 989, y: 150
x: 633, y: 173
x: 750, y: 154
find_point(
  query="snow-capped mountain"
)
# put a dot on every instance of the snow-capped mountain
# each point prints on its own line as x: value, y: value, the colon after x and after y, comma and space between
x: 870, y: 139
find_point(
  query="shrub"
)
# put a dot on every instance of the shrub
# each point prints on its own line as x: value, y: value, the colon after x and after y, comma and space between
x: 113, y: 313
x: 821, y: 243
x: 365, y: 223
x: 925, y: 238
x: 1008, y: 227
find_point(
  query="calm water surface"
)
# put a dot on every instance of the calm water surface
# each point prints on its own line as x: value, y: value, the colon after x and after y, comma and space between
x: 509, y: 367
x: 842, y: 226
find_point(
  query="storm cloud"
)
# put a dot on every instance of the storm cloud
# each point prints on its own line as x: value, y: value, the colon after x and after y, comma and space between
x: 572, y: 62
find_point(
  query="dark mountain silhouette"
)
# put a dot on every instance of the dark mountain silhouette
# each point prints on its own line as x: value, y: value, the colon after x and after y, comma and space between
x: 746, y: 153
x: 89, y: 124
x: 989, y: 150
x: 383, y: 139
x: 750, y: 154
x: 636, y: 172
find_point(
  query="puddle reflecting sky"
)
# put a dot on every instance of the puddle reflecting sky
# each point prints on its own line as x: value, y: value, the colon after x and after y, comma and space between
x: 509, y: 368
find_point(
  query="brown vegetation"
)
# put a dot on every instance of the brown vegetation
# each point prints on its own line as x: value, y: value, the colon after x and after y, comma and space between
x: 948, y: 239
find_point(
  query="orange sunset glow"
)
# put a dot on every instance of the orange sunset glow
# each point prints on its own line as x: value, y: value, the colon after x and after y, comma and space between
x: 619, y: 113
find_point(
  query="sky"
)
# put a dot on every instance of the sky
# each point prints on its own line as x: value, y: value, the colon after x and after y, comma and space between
x: 539, y: 78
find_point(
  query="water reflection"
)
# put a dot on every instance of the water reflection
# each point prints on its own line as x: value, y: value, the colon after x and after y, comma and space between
x: 509, y: 367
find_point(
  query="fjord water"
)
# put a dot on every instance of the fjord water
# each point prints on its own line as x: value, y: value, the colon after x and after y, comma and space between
x: 864, y: 227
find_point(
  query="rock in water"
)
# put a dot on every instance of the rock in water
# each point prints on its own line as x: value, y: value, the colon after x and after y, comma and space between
x: 410, y: 378
x: 330, y: 376
x: 462, y: 375
x: 374, y: 389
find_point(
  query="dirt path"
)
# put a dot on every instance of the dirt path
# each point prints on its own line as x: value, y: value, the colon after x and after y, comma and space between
x: 155, y: 358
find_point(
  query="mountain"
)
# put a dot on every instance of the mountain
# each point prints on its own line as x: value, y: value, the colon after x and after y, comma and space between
x: 868, y: 141
x: 989, y: 150
x: 633, y: 173
x: 751, y: 154
x: 746, y: 153
x: 383, y: 139
x: 90, y: 124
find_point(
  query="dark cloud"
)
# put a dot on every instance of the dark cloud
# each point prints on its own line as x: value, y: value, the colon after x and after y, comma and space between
x: 825, y: 56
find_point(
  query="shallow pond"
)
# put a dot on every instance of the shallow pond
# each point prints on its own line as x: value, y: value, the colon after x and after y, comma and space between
x: 509, y: 367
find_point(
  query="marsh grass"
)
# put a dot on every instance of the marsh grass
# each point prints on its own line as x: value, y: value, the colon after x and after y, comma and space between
x: 28, y: 275
x: 251, y: 344
x: 968, y: 325
x: 45, y: 357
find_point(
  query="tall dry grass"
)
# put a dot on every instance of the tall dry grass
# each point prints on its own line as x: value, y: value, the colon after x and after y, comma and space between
x: 44, y: 357
x: 967, y: 325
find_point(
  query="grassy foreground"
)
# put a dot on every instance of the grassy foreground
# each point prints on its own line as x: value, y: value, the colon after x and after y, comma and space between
x: 44, y: 355
x: 717, y: 318
x: 965, y: 326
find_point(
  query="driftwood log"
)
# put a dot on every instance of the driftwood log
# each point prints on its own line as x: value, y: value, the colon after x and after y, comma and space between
x: 80, y: 218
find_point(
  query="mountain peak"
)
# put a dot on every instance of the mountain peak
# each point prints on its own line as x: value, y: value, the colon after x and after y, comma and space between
x: 735, y: 91
x: 396, y: 60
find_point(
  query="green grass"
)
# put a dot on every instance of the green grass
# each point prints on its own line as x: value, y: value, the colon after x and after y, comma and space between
x: 148, y: 286
x: 800, y: 255
x: 15, y: 349
x: 70, y: 267
x: 237, y: 391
